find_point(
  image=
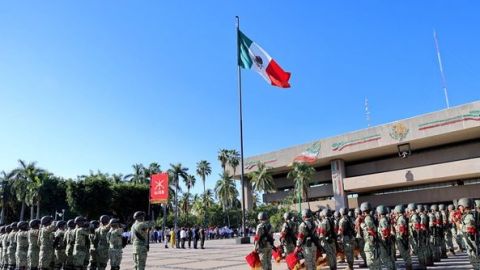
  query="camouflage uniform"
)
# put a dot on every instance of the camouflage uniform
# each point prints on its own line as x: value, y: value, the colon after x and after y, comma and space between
x: 470, y: 233
x: 22, y: 247
x: 424, y: 244
x: 102, y: 246
x: 359, y: 238
x: 385, y: 239
x: 2, y: 243
x: 264, y: 241
x: 81, y: 244
x: 12, y: 247
x: 372, y: 249
x: 455, y: 217
x: 287, y: 234
x: 346, y: 235
x: 401, y: 229
x: 5, y: 243
x: 140, y: 241
x: 115, y: 242
x: 305, y: 240
x: 46, y: 254
x: 433, y: 223
x: 70, y: 243
x: 60, y: 246
x: 448, y: 237
x: 33, y: 245
x: 93, y: 254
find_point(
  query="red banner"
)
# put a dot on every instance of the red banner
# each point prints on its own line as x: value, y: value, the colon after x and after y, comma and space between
x: 158, y: 188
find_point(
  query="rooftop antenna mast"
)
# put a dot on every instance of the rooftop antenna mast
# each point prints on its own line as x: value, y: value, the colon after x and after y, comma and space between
x: 367, y: 112
x: 442, y: 73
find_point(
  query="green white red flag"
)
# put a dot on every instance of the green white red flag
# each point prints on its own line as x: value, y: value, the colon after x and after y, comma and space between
x: 251, y: 55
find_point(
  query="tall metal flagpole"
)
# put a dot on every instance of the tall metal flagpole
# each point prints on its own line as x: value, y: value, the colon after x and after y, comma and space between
x: 241, y: 131
x: 442, y: 74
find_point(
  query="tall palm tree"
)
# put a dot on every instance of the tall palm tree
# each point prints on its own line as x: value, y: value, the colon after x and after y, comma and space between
x: 262, y: 180
x: 27, y: 184
x: 5, y: 179
x: 117, y: 178
x: 233, y: 160
x: 138, y: 175
x: 204, y: 170
x: 226, y: 192
x: 176, y: 171
x: 189, y: 182
x: 223, y: 155
x: 153, y: 168
x: 301, y: 174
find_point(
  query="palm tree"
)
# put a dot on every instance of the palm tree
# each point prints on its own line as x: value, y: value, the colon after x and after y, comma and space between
x: 226, y: 192
x: 262, y: 180
x: 176, y: 171
x: 153, y: 168
x: 117, y: 178
x: 204, y: 170
x: 27, y: 184
x: 233, y: 160
x: 223, y: 155
x: 6, y: 179
x: 189, y: 182
x: 301, y: 174
x: 138, y: 175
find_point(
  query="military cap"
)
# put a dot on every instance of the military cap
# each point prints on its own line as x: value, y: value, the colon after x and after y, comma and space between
x: 71, y: 223
x: 366, y: 206
x: 104, y: 219
x: 139, y: 215
x: 262, y: 216
x: 46, y: 220
x: 465, y: 202
x: 34, y: 223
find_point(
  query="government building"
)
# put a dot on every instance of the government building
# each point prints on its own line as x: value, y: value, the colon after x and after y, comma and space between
x: 429, y: 158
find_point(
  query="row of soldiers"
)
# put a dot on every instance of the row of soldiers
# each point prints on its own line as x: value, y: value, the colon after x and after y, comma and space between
x: 48, y: 244
x: 377, y: 234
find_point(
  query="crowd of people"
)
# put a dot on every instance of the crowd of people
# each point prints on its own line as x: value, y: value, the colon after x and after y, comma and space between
x: 430, y: 232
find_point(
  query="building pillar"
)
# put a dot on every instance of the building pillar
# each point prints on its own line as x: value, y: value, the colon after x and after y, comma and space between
x: 248, y: 195
x: 338, y: 174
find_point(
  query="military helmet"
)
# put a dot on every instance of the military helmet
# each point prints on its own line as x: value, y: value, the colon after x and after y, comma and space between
x: 358, y: 211
x: 287, y: 216
x: 79, y: 220
x: 366, y: 206
x: 381, y: 210
x: 441, y: 207
x: 412, y: 206
x: 61, y: 224
x: 34, y: 223
x: 22, y: 225
x: 351, y: 213
x: 343, y: 211
x: 71, y: 223
x: 114, y: 221
x: 139, y: 215
x: 104, y: 219
x: 451, y: 207
x: 336, y: 214
x: 46, y: 220
x: 388, y: 209
x: 465, y: 202
x: 399, y: 209
x: 2, y: 229
x: 8, y: 229
x: 434, y: 207
x: 324, y: 212
x: 477, y: 203
x: 94, y: 224
x: 262, y: 216
x: 307, y: 213
x: 14, y: 226
x: 425, y: 208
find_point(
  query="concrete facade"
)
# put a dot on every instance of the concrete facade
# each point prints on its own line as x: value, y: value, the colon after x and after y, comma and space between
x: 442, y: 148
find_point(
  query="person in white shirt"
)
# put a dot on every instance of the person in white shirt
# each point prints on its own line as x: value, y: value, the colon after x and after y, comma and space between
x: 183, y: 237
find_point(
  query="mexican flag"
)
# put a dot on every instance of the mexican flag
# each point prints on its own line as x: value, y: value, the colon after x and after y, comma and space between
x: 250, y: 55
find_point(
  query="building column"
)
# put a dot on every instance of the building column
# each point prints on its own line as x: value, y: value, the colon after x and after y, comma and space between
x: 248, y: 195
x: 338, y: 174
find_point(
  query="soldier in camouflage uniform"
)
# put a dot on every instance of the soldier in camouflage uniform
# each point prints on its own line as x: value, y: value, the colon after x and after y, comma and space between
x: 448, y: 237
x: 60, y: 246
x: 22, y: 245
x: 470, y: 230
x: 264, y: 241
x: 93, y: 244
x: 140, y: 231
x: 372, y: 249
x: 70, y: 243
x: 401, y: 229
x: 5, y: 243
x: 81, y: 245
x: 2, y: 235
x: 115, y: 242
x: 359, y: 238
x: 306, y: 240
x: 327, y: 236
x: 434, y: 228
x: 455, y: 218
x: 33, y: 246
x: 346, y: 235
x: 12, y: 246
x: 287, y: 234
x: 102, y: 244
x: 385, y: 239
x: 45, y: 239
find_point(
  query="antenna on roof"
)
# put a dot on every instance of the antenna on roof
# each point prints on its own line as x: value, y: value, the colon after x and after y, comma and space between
x: 442, y: 73
x: 367, y: 112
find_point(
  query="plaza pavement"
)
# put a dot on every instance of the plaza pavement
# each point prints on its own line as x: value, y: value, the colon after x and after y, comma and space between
x: 225, y: 254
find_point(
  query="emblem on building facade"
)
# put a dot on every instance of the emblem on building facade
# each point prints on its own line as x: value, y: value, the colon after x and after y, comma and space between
x: 310, y: 155
x: 399, y: 132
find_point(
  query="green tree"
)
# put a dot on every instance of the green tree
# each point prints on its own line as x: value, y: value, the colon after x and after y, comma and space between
x: 223, y: 155
x: 226, y: 192
x: 153, y: 168
x: 233, y: 160
x: 262, y: 180
x: 90, y: 196
x: 6, y: 178
x: 301, y: 174
x: 128, y: 198
x: 177, y: 171
x: 26, y: 184
x: 138, y: 175
x: 204, y: 170
x: 189, y: 183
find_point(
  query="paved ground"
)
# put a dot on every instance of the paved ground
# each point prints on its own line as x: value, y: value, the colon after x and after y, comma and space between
x: 225, y: 254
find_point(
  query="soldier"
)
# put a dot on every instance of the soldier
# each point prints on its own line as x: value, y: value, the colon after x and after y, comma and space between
x: 81, y: 245
x: 2, y: 235
x: 448, y: 237
x: 470, y: 230
x: 202, y: 233
x: 445, y: 230
x: 46, y: 239
x: 434, y: 229
x: 287, y: 234
x: 22, y: 245
x: 346, y: 234
x: 60, y: 245
x: 264, y: 241
x: 5, y: 243
x: 93, y: 244
x: 12, y: 246
x: 70, y: 243
x: 306, y: 240
x: 33, y: 246
x: 372, y: 249
x: 102, y: 244
x: 140, y: 231
x: 359, y: 238
x: 115, y: 242
x: 455, y: 218
x: 401, y: 229
x: 384, y: 231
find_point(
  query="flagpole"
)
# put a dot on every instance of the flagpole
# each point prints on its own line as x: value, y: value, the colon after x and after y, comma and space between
x: 440, y: 65
x: 239, y: 72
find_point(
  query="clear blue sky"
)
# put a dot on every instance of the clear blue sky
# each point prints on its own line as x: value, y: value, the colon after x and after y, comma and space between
x: 106, y: 84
